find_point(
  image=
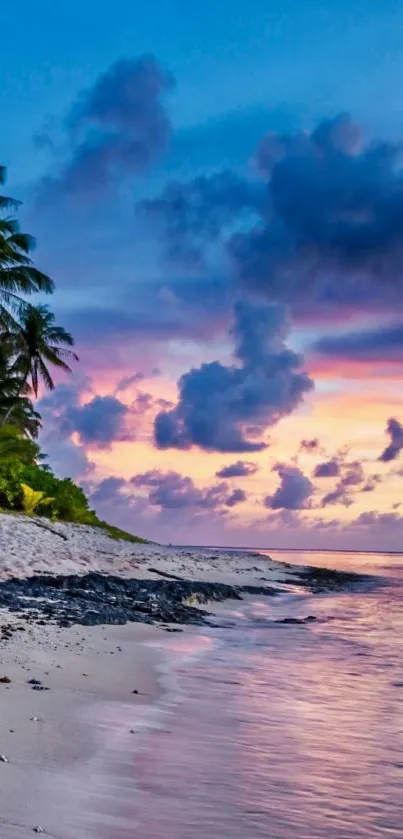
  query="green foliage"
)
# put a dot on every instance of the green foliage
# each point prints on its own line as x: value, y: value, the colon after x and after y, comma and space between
x: 32, y: 499
x: 14, y: 445
x: 117, y: 533
x: 30, y: 487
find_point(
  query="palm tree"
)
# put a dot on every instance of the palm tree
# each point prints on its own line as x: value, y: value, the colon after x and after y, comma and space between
x: 18, y: 275
x: 38, y: 343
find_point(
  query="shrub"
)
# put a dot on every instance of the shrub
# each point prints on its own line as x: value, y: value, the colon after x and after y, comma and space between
x: 31, y: 499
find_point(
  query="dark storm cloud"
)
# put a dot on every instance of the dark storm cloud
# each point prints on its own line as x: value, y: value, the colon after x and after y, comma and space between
x: 117, y: 127
x: 384, y: 343
x: 240, y: 469
x: 196, y: 214
x: 217, y: 402
x: 294, y: 491
x: 329, y: 227
x: 395, y: 431
x: 328, y: 469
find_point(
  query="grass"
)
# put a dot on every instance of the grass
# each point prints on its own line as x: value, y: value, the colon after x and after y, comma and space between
x: 117, y: 533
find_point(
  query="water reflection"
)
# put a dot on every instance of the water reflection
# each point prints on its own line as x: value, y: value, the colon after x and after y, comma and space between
x: 291, y: 732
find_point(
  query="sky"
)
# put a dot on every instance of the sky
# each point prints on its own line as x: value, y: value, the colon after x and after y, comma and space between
x: 216, y: 190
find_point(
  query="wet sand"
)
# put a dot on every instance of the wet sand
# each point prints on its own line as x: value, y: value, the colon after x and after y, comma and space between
x: 67, y: 747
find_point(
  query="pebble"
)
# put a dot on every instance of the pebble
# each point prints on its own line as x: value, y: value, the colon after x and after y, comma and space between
x: 38, y: 829
x: 4, y: 759
x: 34, y: 682
x: 39, y: 687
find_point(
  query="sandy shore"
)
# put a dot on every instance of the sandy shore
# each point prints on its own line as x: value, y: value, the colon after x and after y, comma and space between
x: 63, y: 744
x: 69, y: 742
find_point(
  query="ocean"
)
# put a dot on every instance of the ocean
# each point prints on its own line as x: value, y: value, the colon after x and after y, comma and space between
x: 282, y: 731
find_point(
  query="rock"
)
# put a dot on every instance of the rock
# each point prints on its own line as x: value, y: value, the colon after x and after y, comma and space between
x: 290, y: 620
x: 4, y: 759
x: 34, y: 682
x: 5, y: 680
x: 39, y: 687
x: 134, y: 691
x: 38, y: 829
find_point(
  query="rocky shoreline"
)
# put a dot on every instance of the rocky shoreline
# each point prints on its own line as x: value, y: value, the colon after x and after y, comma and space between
x: 102, y: 599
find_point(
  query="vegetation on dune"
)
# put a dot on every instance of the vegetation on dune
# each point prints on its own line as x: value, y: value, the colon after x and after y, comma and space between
x: 31, y: 346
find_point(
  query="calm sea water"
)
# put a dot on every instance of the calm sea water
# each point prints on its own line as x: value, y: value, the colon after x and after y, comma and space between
x: 286, y: 732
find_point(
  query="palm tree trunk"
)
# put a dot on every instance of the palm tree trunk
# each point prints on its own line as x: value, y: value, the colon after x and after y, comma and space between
x: 13, y: 404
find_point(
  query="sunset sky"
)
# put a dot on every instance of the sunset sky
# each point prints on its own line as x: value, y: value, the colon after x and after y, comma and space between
x: 217, y: 190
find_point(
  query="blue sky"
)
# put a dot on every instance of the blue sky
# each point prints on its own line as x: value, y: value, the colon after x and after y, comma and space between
x: 310, y: 59
x: 151, y: 294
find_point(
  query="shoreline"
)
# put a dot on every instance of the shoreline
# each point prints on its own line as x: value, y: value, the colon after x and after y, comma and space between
x: 100, y: 624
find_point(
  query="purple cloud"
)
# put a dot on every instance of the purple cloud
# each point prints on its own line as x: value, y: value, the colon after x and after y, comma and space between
x: 327, y: 232
x: 395, y: 431
x: 193, y: 216
x: 99, y: 422
x: 117, y: 128
x: 352, y: 475
x: 170, y: 490
x: 294, y: 492
x: 240, y: 469
x: 236, y: 497
x: 218, y: 404
x: 328, y: 469
x: 108, y: 490
x: 384, y: 343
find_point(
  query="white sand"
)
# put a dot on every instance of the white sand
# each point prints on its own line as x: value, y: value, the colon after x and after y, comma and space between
x: 70, y: 749
x: 29, y: 546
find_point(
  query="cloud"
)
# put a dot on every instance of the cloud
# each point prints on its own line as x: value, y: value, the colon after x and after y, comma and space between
x: 352, y: 476
x: 240, y: 469
x: 128, y: 381
x: 325, y: 233
x: 192, y: 216
x: 236, y: 497
x: 294, y: 492
x: 309, y: 445
x: 170, y: 490
x: 395, y: 431
x: 116, y: 128
x: 99, y: 422
x: 328, y: 469
x: 217, y: 404
x: 108, y: 490
x: 371, y: 483
x: 384, y: 343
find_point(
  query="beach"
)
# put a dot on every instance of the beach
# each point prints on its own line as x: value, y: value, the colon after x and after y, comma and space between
x: 80, y: 685
x: 74, y: 698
